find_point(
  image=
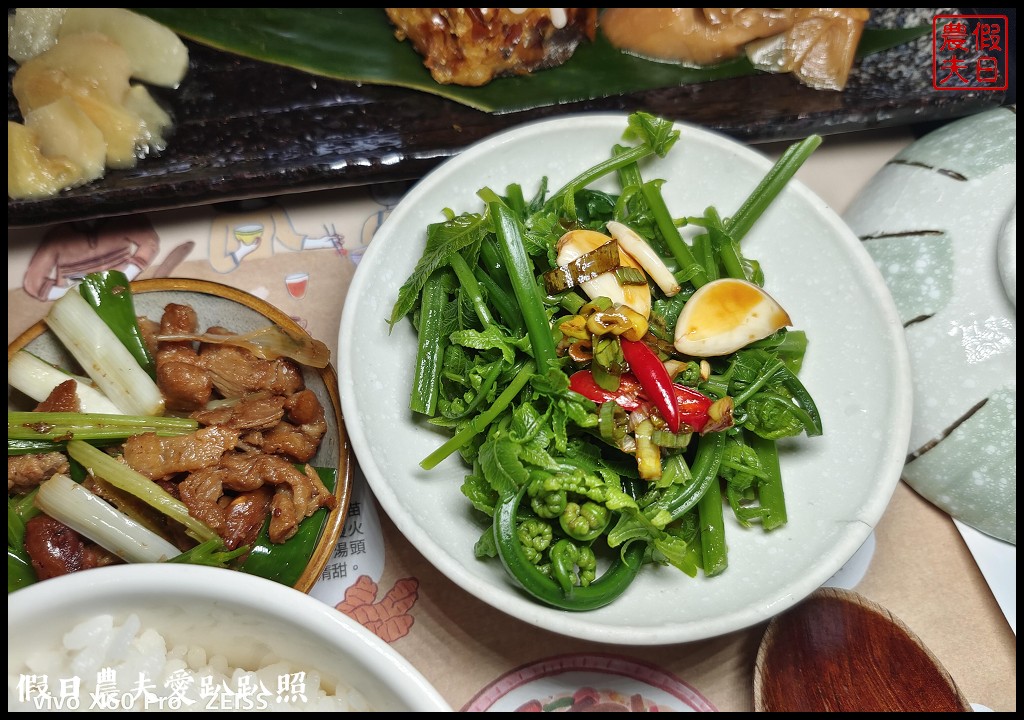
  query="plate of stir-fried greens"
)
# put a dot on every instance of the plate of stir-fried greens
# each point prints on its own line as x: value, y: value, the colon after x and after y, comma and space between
x: 625, y: 379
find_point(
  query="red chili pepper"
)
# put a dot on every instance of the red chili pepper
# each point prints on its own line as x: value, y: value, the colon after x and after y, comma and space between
x: 627, y: 396
x: 654, y: 379
x: 693, y: 406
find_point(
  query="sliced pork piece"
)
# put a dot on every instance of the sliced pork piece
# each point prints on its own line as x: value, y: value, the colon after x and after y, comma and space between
x: 244, y: 517
x: 161, y: 457
x: 304, y: 408
x: 55, y: 549
x: 295, y: 502
x: 301, y: 493
x: 289, y: 440
x: 299, y: 437
x: 237, y: 372
x: 63, y: 398
x: 285, y: 515
x: 178, y: 319
x: 184, y: 381
x: 25, y: 472
x: 259, y: 411
x: 251, y: 441
x: 202, y: 493
x: 240, y: 472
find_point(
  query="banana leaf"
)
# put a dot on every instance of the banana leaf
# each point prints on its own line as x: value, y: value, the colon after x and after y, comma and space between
x: 358, y: 45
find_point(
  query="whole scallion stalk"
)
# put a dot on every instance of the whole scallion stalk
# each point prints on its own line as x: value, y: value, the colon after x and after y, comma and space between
x: 102, y: 355
x: 91, y: 426
x: 63, y: 499
x: 37, y: 378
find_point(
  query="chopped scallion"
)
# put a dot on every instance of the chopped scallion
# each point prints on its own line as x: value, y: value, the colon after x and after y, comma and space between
x: 37, y: 378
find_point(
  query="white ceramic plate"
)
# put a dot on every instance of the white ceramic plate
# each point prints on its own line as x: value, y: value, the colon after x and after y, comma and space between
x: 837, y: 486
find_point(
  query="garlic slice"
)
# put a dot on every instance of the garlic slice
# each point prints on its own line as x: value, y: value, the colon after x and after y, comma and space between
x: 644, y: 254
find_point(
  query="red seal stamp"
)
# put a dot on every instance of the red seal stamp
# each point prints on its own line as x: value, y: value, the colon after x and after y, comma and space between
x: 969, y: 52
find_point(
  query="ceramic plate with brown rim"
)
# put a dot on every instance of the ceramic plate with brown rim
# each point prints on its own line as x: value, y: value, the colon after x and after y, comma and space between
x: 224, y: 306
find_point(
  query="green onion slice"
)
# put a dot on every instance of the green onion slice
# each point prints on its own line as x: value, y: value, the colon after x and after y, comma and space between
x: 602, y: 259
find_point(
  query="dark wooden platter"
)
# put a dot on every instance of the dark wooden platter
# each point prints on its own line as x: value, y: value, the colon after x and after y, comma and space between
x: 244, y: 128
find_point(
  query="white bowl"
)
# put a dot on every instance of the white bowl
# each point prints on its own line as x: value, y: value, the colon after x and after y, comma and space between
x: 242, y: 617
x: 856, y: 368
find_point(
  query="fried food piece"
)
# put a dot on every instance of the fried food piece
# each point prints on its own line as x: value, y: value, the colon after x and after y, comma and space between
x: 817, y: 45
x: 55, y: 549
x: 695, y: 36
x: 819, y: 49
x: 159, y: 457
x: 25, y: 472
x: 472, y: 46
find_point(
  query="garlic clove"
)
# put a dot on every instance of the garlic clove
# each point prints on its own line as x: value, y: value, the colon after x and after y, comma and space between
x: 578, y: 242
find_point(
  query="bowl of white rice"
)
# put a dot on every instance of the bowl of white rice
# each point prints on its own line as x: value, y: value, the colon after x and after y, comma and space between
x: 164, y: 637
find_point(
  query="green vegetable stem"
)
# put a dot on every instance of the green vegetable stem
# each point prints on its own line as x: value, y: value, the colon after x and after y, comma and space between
x: 524, y: 283
x: 431, y: 342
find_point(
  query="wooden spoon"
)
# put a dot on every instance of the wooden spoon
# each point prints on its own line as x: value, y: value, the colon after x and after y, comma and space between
x: 837, y: 651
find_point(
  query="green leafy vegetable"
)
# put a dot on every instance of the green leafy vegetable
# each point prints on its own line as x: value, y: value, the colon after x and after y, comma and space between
x: 588, y: 450
x: 443, y: 241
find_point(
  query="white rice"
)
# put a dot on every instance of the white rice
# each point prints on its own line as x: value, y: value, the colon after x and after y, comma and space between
x: 106, y: 665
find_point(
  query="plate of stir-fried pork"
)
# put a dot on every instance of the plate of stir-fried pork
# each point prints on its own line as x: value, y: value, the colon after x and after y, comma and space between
x: 172, y: 420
